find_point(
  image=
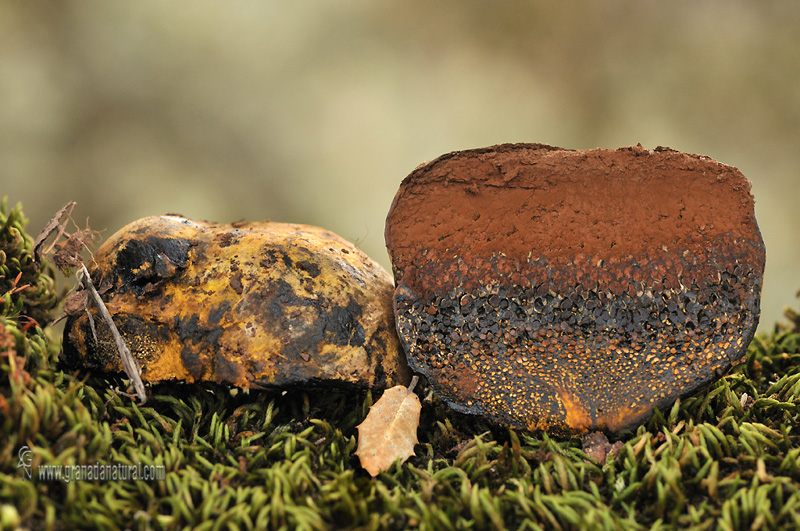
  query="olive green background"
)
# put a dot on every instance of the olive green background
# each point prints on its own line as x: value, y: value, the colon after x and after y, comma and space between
x: 314, y: 112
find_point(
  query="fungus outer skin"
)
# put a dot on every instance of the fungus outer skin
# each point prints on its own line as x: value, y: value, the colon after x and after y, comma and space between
x: 249, y: 304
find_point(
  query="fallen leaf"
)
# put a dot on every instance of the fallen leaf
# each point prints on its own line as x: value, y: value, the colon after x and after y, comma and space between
x: 56, y: 223
x: 390, y: 430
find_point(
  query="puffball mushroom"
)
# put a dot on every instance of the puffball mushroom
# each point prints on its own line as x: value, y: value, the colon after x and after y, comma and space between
x: 248, y: 304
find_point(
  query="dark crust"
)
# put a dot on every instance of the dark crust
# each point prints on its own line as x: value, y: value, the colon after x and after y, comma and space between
x: 573, y: 290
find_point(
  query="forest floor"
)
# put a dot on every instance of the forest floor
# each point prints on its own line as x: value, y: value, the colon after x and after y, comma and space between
x: 725, y: 458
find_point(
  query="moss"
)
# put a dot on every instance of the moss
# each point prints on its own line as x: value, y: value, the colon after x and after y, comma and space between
x: 17, y: 269
x: 726, y: 458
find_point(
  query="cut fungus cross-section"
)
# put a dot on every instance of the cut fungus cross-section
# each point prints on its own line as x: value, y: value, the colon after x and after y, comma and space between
x: 573, y: 290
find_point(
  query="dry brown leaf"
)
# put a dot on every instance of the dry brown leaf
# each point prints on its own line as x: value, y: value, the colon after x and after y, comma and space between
x: 56, y: 224
x: 390, y: 430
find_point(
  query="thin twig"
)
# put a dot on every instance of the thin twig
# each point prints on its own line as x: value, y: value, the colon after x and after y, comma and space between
x: 413, y: 383
x: 129, y: 363
x: 91, y: 325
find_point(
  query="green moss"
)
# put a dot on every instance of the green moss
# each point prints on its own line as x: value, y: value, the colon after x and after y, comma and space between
x: 717, y: 460
x: 17, y: 269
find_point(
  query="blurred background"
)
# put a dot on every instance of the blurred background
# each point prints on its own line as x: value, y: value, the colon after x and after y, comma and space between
x: 313, y: 112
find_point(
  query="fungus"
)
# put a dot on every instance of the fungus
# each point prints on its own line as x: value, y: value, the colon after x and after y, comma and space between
x: 573, y: 290
x: 251, y: 304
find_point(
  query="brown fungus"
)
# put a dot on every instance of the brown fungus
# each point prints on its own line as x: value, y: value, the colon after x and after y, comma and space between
x: 250, y: 304
x: 573, y: 290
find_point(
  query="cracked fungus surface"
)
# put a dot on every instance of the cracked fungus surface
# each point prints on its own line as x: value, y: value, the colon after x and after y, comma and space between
x: 573, y: 291
x: 255, y: 304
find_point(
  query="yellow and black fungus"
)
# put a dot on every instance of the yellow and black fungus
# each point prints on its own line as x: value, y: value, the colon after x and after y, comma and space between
x: 249, y: 304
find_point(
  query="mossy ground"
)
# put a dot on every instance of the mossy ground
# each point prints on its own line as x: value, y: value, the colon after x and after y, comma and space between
x: 717, y: 460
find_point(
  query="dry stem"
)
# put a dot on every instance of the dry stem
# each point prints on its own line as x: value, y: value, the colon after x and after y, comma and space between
x: 129, y: 363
